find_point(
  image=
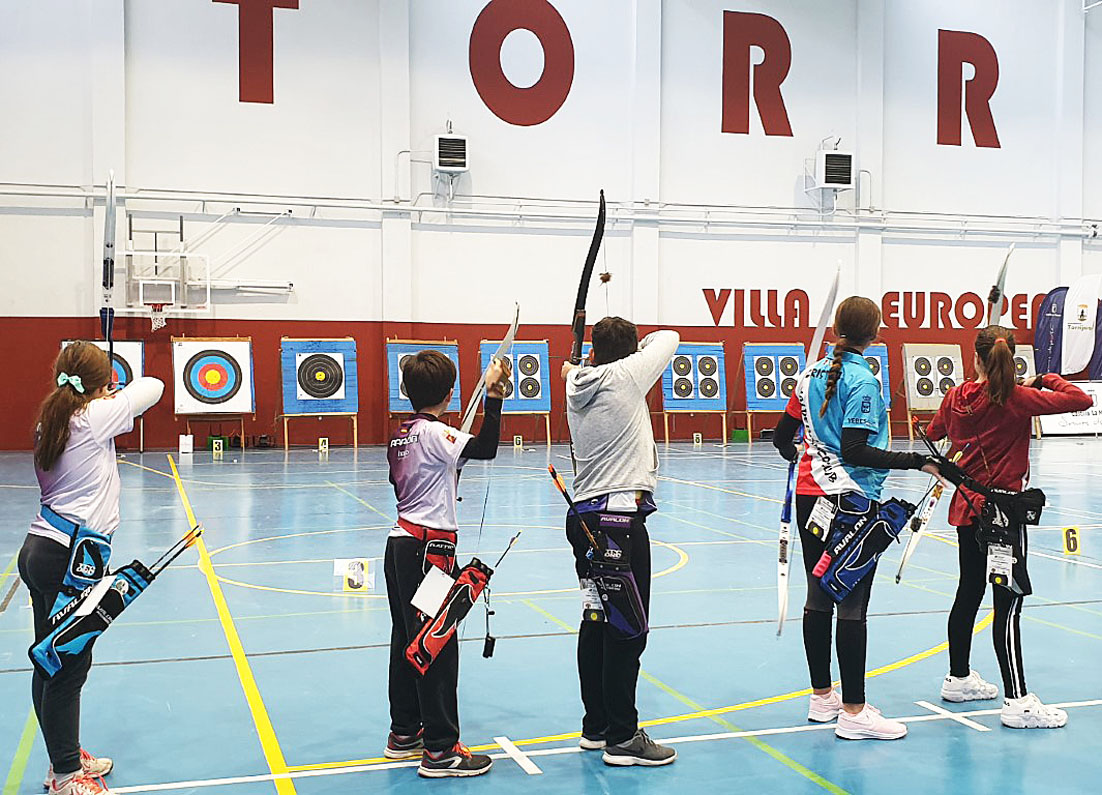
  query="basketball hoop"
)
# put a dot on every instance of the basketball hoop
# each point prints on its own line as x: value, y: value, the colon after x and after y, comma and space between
x: 157, y: 315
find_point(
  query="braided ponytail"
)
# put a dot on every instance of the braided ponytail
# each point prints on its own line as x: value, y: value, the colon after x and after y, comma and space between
x: 856, y: 324
x: 833, y: 376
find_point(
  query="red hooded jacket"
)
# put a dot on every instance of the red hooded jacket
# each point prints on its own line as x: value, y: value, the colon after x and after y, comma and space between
x: 995, y: 439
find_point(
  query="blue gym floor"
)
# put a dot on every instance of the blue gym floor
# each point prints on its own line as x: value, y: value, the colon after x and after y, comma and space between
x: 264, y: 677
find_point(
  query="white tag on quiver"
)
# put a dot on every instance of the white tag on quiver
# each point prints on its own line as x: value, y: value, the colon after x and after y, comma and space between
x: 592, y: 607
x: 432, y: 591
x: 1000, y: 563
x: 822, y: 516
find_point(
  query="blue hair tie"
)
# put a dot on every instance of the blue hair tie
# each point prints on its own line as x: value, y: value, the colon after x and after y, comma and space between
x: 72, y: 380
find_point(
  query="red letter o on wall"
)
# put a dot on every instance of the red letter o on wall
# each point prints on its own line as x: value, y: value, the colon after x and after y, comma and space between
x: 522, y: 106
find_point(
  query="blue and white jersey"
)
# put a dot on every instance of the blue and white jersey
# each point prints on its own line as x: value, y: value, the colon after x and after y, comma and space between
x: 857, y: 403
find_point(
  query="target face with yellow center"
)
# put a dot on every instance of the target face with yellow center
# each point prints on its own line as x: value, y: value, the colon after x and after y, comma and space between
x: 212, y: 376
x: 320, y: 376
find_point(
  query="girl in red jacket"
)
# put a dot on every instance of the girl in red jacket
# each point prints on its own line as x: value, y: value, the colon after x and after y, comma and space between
x: 989, y: 420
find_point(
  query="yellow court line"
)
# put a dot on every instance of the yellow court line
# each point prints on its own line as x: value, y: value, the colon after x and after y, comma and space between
x: 785, y: 760
x: 264, y: 729
x: 147, y: 469
x: 360, y: 500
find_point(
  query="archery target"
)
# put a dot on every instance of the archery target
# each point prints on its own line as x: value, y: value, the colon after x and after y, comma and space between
x: 398, y: 354
x: 212, y: 376
x: 1023, y: 361
x: 707, y: 370
x: 128, y: 361
x: 319, y: 376
x: 771, y: 374
x: 683, y: 377
x: 765, y: 383
x: 527, y: 390
x: 530, y: 386
x: 931, y: 371
x: 694, y: 379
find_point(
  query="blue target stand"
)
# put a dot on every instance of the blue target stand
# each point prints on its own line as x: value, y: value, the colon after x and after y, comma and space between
x: 128, y: 363
x: 397, y: 351
x: 528, y: 389
x: 212, y: 380
x: 320, y: 379
x: 695, y: 382
x: 771, y: 372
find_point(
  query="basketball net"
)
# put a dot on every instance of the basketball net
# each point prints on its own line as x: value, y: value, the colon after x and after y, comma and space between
x: 157, y: 316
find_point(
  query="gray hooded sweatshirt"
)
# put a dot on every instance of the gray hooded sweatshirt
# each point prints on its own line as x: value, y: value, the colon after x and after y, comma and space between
x: 610, y: 423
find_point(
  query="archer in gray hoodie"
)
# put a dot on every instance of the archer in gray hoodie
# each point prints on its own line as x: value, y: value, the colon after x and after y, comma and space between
x: 617, y: 466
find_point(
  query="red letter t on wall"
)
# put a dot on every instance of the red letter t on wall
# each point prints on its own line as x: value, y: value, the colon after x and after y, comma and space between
x: 741, y: 31
x: 254, y: 55
x: 954, y: 49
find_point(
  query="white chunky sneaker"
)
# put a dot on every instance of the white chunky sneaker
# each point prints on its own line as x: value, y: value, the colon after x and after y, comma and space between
x: 967, y: 688
x: 1028, y: 712
x: 868, y: 724
x: 93, y: 766
x: 824, y: 709
x: 77, y: 784
x: 591, y: 743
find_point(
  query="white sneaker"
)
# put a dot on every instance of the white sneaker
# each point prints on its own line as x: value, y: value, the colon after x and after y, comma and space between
x: 967, y: 688
x: 77, y: 784
x: 1028, y: 712
x: 824, y: 709
x: 868, y: 724
x: 93, y: 766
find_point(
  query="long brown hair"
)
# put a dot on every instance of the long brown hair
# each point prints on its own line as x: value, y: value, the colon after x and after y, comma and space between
x: 81, y: 359
x: 995, y: 349
x: 856, y: 324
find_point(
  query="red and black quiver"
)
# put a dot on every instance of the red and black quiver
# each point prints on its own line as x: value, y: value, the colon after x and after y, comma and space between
x: 438, y: 630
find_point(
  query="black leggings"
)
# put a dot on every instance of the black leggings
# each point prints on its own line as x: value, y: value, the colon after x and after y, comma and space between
x: 1006, y: 633
x: 42, y: 565
x: 608, y: 666
x: 819, y: 609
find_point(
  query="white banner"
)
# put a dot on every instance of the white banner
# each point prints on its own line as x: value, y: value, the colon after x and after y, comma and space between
x: 1086, y: 422
x: 1080, y: 311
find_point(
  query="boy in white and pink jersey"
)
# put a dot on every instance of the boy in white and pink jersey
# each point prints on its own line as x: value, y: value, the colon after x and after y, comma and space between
x: 425, y: 457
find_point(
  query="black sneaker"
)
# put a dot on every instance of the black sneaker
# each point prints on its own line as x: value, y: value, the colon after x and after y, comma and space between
x: 456, y: 761
x: 639, y: 750
x: 404, y: 746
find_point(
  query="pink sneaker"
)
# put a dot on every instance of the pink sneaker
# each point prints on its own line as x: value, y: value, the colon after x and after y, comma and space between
x: 824, y: 709
x: 868, y: 724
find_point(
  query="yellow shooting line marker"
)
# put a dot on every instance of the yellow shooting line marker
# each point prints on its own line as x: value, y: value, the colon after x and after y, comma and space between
x: 273, y: 754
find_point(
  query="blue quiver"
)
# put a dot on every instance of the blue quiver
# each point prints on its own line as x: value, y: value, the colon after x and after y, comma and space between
x: 861, y: 532
x: 84, y: 618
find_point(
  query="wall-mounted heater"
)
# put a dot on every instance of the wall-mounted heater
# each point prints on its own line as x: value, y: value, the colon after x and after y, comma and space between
x: 450, y: 154
x: 834, y: 169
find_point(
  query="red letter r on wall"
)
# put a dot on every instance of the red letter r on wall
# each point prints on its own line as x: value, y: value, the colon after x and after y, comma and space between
x: 741, y: 31
x: 954, y: 49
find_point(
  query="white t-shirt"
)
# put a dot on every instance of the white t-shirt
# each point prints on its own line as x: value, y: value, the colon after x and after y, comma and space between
x: 424, y: 456
x: 83, y: 485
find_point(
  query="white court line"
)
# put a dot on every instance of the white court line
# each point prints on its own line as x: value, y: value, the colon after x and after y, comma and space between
x: 514, y: 753
x: 971, y: 724
x: 568, y: 749
x: 1065, y: 559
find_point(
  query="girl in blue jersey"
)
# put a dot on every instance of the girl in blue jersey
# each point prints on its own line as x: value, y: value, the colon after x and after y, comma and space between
x: 838, y: 402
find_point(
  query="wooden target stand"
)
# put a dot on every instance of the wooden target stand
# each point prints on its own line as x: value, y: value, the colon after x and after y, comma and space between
x: 353, y: 416
x: 546, y: 420
x: 217, y: 418
x: 666, y: 420
x: 750, y: 422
